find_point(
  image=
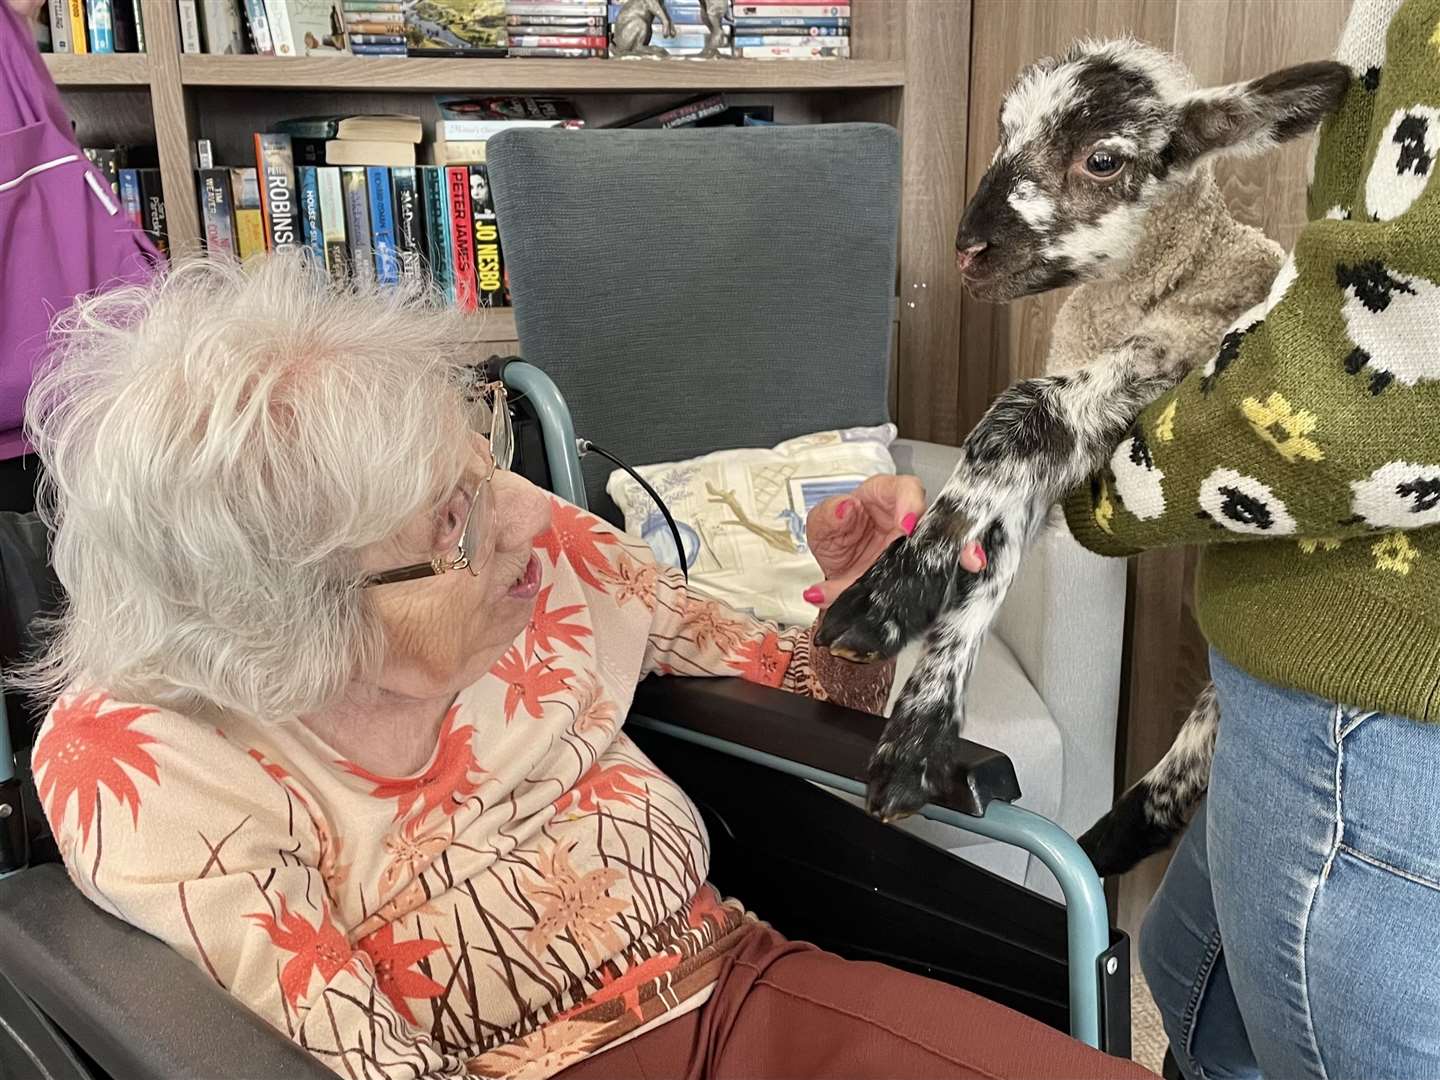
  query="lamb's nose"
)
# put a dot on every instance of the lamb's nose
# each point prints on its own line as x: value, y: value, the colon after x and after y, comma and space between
x: 965, y: 256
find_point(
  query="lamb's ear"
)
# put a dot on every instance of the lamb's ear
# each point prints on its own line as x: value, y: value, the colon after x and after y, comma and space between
x: 1250, y: 117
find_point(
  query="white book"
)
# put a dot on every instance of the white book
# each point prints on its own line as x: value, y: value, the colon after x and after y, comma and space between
x: 223, y: 36
x: 190, y: 27
x: 792, y: 11
x: 60, y: 27
x: 277, y: 14
x: 332, y: 220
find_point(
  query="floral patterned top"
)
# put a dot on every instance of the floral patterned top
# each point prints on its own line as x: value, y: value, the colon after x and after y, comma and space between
x: 534, y: 893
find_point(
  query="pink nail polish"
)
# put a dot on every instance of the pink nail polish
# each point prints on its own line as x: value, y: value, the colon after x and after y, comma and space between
x: 813, y: 595
x: 907, y: 526
x: 842, y: 510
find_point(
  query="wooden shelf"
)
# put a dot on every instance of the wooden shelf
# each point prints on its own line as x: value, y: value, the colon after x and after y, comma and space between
x: 627, y: 76
x: 106, y: 69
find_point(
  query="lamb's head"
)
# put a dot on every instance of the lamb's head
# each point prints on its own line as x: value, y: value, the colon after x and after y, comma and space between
x: 1090, y: 141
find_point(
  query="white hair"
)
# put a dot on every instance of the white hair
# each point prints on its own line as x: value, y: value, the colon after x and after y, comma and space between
x: 219, y: 446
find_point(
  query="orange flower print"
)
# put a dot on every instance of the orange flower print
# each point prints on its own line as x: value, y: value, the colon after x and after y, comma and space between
x: 573, y: 903
x: 634, y: 581
x: 762, y: 661
x: 626, y: 987
x: 544, y: 1052
x: 409, y: 858
x: 579, y: 536
x: 528, y: 683
x: 84, y: 749
x: 706, y: 623
x: 612, y: 783
x: 594, y: 712
x: 316, y: 948
x: 333, y: 872
x: 393, y: 961
x: 452, y: 777
x: 707, y: 905
x: 548, y: 625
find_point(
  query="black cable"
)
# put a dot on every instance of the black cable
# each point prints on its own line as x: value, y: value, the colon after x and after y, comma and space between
x: 586, y: 446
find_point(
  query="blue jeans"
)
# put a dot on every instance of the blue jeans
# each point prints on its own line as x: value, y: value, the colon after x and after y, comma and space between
x: 1297, y: 931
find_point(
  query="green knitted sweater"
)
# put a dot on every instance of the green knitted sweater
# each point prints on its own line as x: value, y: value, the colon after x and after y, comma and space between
x: 1306, y: 454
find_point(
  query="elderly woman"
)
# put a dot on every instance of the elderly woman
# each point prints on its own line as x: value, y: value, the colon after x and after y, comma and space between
x: 339, y: 710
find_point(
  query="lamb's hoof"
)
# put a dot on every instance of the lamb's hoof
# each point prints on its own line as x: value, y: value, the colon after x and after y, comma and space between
x: 1124, y: 836
x: 854, y: 629
x: 916, y: 754
x: 894, y: 601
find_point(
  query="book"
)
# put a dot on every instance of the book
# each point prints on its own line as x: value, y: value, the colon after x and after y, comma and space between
x: 259, y: 27
x: 553, y: 53
x: 332, y: 221
x: 457, y: 27
x: 249, y: 219
x: 467, y: 130
x: 308, y: 151
x: 79, y: 37
x: 462, y: 236
x: 316, y: 28
x: 382, y: 225
x: 275, y: 165
x: 152, y: 209
x: 375, y: 22
x: 489, y: 262
x: 217, y: 211
x: 796, y: 52
x: 126, y: 14
x: 312, y: 232
x: 528, y: 107
x: 380, y: 50
x: 59, y: 27
x: 751, y: 40
x: 434, y: 199
x: 131, y: 200
x: 369, y: 152
x: 555, y: 7
x: 189, y: 12
x: 543, y: 22
x: 386, y: 127
x: 107, y: 160
x: 355, y: 186
x: 377, y: 39
x: 554, y: 41
x: 223, y: 35
x: 408, y: 225
x: 791, y: 11
x: 374, y: 5
x: 443, y: 152
x: 768, y: 25
x: 687, y: 112
x: 100, y: 23
x: 277, y: 13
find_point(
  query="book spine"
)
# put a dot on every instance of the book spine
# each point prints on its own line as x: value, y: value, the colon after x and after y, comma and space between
x: 249, y: 223
x: 518, y: 10
x: 190, y: 41
x: 580, y: 22
x: 357, y: 222
x: 60, y: 27
x: 791, y: 11
x: 107, y: 160
x: 829, y: 35
x: 437, y: 213
x: 79, y: 37
x: 130, y: 199
x: 312, y: 231
x: 278, y: 14
x: 259, y: 27
x: 408, y: 225
x: 152, y: 209
x: 561, y: 41
x: 768, y: 25
x: 462, y: 234
x: 276, y: 167
x: 126, y: 31
x: 217, y: 211
x: 376, y: 39
x: 555, y: 53
x: 387, y: 6
x: 363, y: 20
x: 382, y: 225
x: 222, y: 35
x: 139, y: 25
x: 796, y: 52
x: 379, y: 50
x: 101, y: 18
x: 332, y: 222
x: 489, y: 262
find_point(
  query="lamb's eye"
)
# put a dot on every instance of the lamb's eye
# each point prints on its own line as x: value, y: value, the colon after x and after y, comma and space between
x: 1103, y: 165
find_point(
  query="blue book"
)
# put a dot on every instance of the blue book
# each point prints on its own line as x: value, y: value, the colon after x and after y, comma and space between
x: 312, y: 230
x: 382, y: 225
x: 100, y: 21
x: 437, y: 218
x: 130, y: 200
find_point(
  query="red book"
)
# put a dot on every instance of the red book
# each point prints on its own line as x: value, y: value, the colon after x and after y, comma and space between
x: 457, y: 182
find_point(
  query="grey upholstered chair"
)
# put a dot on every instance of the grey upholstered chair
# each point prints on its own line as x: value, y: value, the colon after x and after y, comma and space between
x: 698, y: 290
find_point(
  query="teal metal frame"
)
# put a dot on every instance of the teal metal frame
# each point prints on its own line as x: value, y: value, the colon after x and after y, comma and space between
x: 1086, y: 914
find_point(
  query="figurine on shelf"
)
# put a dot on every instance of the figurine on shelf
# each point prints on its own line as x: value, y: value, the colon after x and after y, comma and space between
x: 634, y: 26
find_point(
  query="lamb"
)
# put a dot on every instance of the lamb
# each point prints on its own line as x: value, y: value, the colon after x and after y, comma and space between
x: 1103, y: 176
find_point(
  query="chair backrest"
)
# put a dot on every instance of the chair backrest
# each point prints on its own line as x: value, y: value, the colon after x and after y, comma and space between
x: 28, y: 589
x: 705, y: 289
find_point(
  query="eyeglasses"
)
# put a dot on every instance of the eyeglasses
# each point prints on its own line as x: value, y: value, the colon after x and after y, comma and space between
x: 477, y: 537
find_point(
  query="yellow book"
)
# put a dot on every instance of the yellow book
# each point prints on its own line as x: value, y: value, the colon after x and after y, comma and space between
x: 79, y: 42
x: 249, y: 233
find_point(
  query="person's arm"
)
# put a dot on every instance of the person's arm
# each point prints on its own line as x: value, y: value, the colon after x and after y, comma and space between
x: 1318, y: 419
x: 198, y: 843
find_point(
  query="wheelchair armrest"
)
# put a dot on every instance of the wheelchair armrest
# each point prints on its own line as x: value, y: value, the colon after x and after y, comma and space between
x: 135, y: 1006
x: 819, y: 734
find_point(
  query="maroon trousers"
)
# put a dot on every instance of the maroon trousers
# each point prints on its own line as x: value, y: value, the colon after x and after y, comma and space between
x: 784, y: 1010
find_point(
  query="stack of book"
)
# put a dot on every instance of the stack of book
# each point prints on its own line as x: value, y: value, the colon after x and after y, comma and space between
x: 375, y: 27
x: 466, y: 123
x: 134, y: 176
x: 431, y: 225
x: 268, y: 27
x: 96, y: 26
x: 691, y: 33
x: 370, y: 139
x: 792, y: 30
x: 556, y: 28
x: 455, y: 27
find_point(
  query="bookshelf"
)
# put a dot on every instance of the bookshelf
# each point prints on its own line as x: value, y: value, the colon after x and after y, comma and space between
x: 911, y: 69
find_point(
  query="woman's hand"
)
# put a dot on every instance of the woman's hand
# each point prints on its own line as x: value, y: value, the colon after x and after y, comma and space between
x: 847, y: 533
